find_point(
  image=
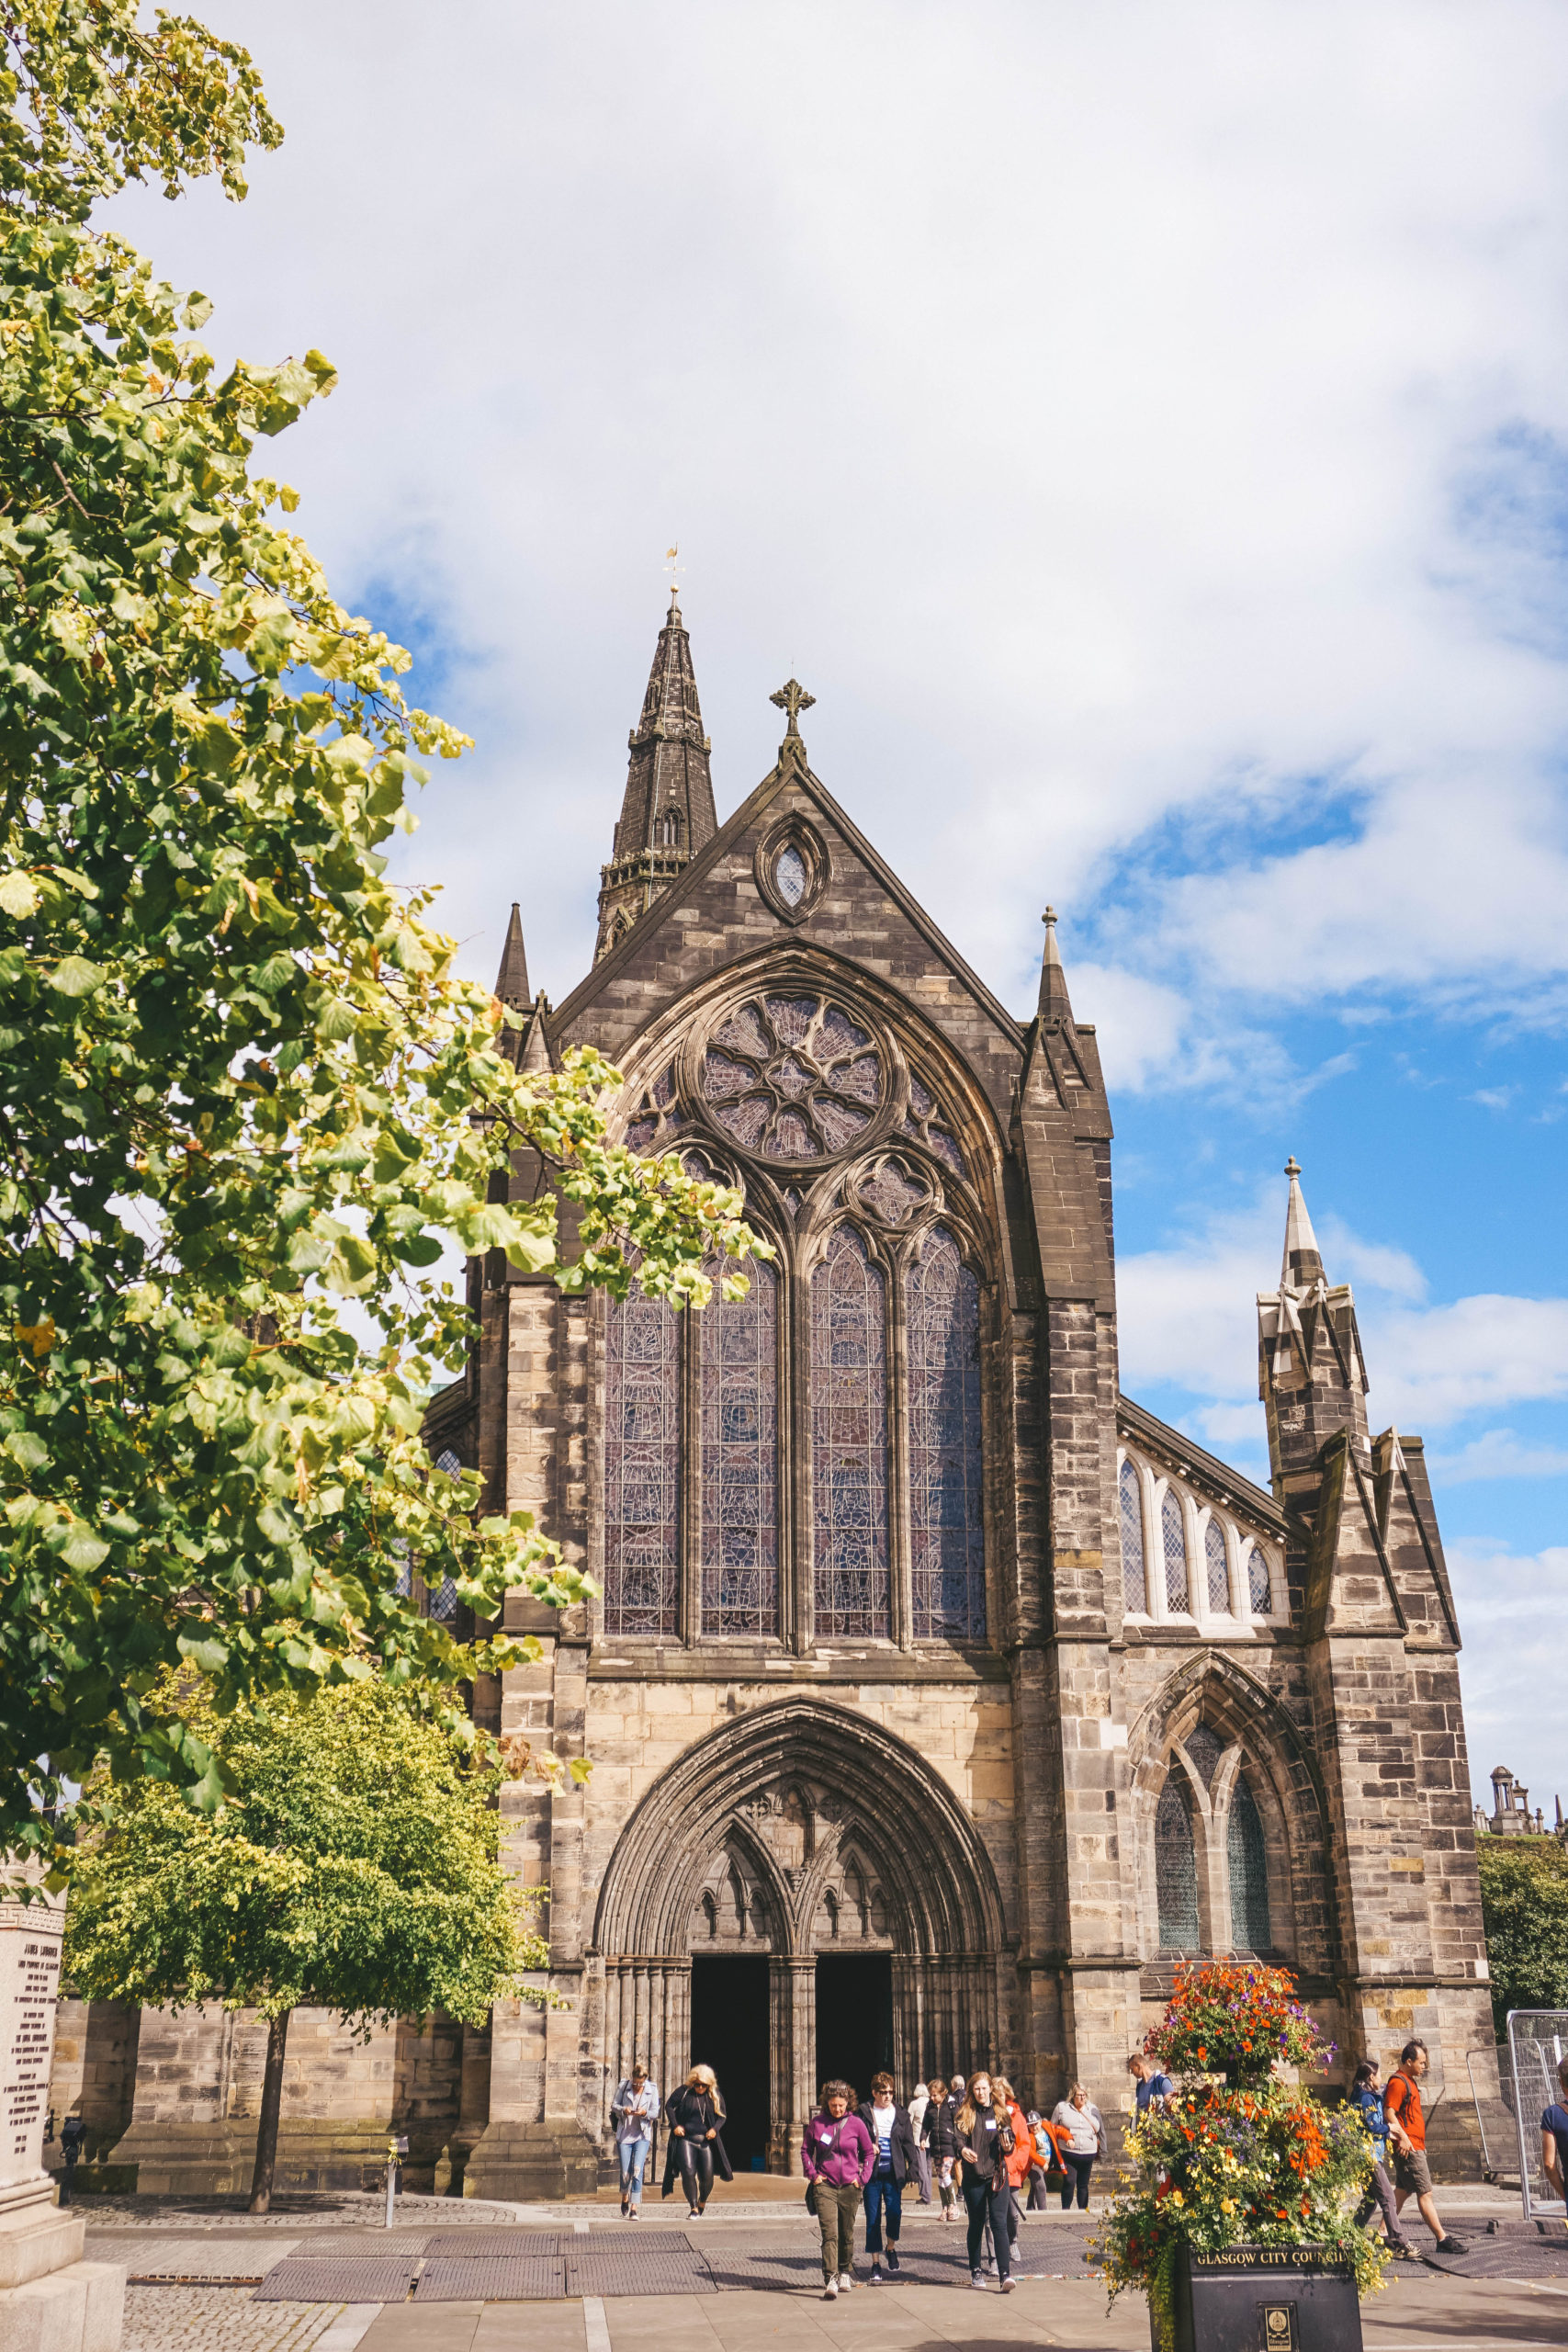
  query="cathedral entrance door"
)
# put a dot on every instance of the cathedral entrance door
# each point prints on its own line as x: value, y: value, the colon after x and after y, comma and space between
x: 729, y: 2034
x: 854, y: 2018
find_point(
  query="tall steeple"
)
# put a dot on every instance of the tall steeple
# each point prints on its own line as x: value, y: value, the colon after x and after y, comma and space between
x: 1310, y: 1371
x: 668, y: 814
x: 1053, y: 1000
x: 512, y: 981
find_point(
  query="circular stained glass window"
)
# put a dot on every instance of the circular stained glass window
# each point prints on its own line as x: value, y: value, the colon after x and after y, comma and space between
x: 793, y: 1077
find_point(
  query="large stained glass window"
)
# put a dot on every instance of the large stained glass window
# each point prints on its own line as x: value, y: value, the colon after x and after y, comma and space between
x: 1176, y: 1870
x: 1249, y: 1856
x: 1134, y: 1583
x: 849, y: 1444
x: 642, y: 1468
x: 740, y: 1459
x: 946, y: 1515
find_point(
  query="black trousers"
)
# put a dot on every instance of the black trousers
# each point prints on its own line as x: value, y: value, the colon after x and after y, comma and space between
x: 696, y: 2160
x: 1078, y: 2169
x: 990, y: 2201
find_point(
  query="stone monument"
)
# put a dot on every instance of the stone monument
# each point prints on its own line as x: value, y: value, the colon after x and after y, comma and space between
x: 50, y: 2300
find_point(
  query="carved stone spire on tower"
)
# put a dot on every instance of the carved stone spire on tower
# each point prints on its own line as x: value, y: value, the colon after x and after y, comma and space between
x: 1310, y: 1371
x: 667, y: 816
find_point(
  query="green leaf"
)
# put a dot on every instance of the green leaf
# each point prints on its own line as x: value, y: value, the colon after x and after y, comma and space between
x: 73, y: 976
x: 19, y: 894
x: 78, y: 1547
x: 27, y: 1449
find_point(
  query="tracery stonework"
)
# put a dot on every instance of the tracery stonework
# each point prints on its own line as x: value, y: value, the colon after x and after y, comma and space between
x: 940, y: 1696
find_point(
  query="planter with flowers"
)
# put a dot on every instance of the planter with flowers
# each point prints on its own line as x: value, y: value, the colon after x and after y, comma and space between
x: 1237, y: 2222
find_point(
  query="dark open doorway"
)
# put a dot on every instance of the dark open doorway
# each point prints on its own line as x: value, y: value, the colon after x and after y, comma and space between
x: 854, y: 2018
x: 729, y: 2034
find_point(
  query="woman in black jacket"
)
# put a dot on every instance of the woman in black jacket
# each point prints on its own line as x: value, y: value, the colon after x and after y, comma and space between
x: 695, y: 2149
x: 942, y: 2142
x: 893, y: 2138
x: 985, y: 2144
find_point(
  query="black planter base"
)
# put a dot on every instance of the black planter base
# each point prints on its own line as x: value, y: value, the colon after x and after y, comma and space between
x: 1264, y: 2299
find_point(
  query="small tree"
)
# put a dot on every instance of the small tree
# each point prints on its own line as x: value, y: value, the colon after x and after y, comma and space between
x: 1524, y: 1902
x: 354, y: 1869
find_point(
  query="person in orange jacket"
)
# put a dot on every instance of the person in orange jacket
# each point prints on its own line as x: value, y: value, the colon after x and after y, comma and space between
x: 1018, y: 2164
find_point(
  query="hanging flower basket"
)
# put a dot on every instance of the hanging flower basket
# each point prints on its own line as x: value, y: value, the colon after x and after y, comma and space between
x: 1237, y: 2219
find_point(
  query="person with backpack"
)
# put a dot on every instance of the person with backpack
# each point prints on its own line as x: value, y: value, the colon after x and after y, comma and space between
x: 893, y: 2137
x: 838, y: 2158
x: 1367, y: 2099
x: 985, y: 2142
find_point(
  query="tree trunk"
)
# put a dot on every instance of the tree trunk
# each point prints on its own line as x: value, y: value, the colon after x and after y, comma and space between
x: 272, y: 2102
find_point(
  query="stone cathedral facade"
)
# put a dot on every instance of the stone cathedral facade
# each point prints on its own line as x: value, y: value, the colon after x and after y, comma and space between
x: 940, y: 1697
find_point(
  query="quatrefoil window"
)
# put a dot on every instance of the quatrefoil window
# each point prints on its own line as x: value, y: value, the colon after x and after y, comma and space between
x: 792, y: 1078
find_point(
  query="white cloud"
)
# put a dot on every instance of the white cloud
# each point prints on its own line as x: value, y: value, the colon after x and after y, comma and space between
x: 1112, y: 414
x: 1513, y: 1615
x: 1188, y: 1317
x: 1497, y: 1454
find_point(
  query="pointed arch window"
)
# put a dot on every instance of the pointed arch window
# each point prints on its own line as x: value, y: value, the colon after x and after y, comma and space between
x: 740, y: 1459
x: 849, y: 1444
x: 1135, y: 1577
x: 1176, y: 1870
x: 668, y: 829
x: 1247, y: 1852
x: 642, y: 1468
x: 1217, y: 1568
x: 1258, y: 1590
x: 947, y: 1521
x: 1173, y: 1540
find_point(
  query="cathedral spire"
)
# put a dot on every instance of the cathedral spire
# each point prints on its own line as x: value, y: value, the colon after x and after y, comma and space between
x: 512, y: 981
x: 667, y: 814
x: 1053, y: 1000
x: 1304, y: 1260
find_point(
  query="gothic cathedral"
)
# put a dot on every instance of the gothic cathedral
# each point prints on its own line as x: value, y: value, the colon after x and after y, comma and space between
x: 940, y: 1698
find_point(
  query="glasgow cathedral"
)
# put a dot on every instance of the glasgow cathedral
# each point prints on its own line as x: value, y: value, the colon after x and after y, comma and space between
x: 940, y: 1698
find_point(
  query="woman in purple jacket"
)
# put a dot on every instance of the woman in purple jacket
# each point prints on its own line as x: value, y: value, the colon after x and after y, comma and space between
x: 838, y: 2157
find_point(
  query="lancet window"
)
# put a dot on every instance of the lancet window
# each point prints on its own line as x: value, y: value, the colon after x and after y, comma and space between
x: 738, y: 1340
x: 848, y: 1442
x: 1135, y: 1577
x: 943, y: 1317
x: 1176, y: 1869
x: 1217, y: 1568
x: 1248, y: 1858
x: 1173, y: 1541
x: 642, y: 1483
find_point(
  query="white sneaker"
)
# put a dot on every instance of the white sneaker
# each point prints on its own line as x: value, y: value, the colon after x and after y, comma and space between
x: 831, y: 2292
x: 845, y: 2282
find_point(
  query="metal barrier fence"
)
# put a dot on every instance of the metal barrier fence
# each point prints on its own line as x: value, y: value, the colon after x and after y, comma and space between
x: 1538, y: 2041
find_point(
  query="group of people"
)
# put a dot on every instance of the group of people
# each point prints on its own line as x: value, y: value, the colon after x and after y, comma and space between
x: 970, y: 2140
x: 977, y: 2142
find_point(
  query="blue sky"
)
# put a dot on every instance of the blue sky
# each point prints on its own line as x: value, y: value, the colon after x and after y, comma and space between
x: 1145, y: 431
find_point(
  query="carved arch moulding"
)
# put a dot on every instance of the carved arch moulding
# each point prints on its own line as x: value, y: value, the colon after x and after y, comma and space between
x: 806, y: 1793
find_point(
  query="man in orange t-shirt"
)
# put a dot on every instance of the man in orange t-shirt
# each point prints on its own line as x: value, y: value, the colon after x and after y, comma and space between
x: 1407, y: 2135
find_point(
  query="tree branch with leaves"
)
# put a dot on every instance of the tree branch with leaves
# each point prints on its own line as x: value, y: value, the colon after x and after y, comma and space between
x: 241, y: 1082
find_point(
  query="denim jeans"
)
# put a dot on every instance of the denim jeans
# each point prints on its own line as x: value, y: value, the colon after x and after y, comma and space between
x: 632, y: 2155
x: 881, y: 2190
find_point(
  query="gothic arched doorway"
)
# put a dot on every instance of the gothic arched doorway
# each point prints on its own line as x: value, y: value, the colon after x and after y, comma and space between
x: 808, y: 1842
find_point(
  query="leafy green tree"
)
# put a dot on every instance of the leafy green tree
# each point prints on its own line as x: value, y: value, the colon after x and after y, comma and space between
x: 354, y: 1869
x: 1524, y: 1902
x: 240, y: 1082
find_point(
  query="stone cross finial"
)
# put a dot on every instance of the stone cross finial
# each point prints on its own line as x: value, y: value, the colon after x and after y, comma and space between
x: 1049, y: 916
x: 794, y: 699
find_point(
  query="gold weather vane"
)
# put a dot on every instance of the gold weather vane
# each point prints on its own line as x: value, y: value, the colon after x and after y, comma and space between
x: 674, y: 568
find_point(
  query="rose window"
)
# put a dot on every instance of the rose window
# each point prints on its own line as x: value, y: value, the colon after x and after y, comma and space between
x: 792, y: 1078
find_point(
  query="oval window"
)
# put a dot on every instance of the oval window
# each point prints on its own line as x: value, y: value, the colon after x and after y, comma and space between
x: 790, y: 875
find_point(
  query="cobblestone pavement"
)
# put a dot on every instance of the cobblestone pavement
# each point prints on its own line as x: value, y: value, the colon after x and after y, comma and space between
x: 219, y: 2319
